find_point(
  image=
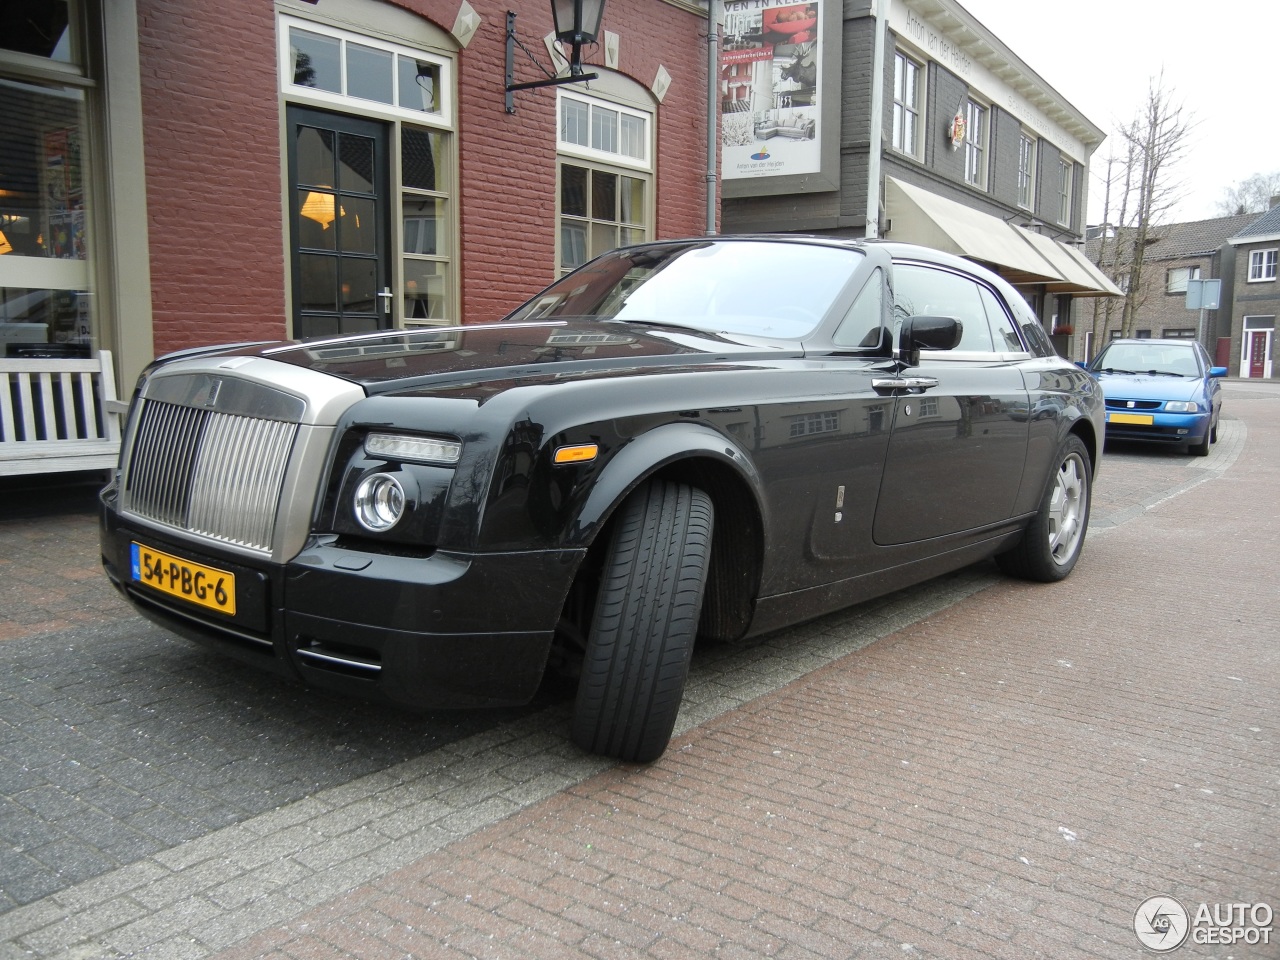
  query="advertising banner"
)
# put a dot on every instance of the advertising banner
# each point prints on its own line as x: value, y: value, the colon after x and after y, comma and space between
x: 769, y: 88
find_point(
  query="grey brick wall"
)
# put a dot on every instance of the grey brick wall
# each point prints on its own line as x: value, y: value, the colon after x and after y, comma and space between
x: 946, y: 93
x: 1047, y: 157
x: 1006, y: 132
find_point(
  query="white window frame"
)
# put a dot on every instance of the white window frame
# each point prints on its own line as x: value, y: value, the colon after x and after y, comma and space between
x: 909, y: 112
x: 1066, y: 178
x: 612, y: 158
x: 1027, y: 145
x: 444, y: 118
x: 1176, y: 278
x: 975, y: 142
x: 1262, y: 265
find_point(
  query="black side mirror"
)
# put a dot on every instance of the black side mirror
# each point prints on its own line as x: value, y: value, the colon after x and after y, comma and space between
x: 927, y: 333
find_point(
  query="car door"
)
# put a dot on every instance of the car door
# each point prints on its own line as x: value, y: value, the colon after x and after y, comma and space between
x: 957, y: 449
x: 839, y: 442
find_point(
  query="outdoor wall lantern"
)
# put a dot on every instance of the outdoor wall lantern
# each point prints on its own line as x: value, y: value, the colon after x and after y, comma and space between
x: 577, y: 22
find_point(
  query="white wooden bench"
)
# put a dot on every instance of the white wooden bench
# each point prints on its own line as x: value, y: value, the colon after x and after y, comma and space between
x: 58, y: 415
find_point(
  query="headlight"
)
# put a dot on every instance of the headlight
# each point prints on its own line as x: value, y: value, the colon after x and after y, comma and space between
x: 379, y: 502
x: 425, y: 449
x: 1181, y: 406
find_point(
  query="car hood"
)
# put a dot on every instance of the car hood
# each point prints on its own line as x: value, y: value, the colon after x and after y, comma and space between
x: 1145, y: 387
x: 398, y: 360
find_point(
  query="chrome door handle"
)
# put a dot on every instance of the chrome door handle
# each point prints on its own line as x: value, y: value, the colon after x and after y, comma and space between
x: 904, y: 383
x: 387, y: 296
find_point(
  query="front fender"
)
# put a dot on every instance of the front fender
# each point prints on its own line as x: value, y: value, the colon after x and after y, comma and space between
x: 653, y: 452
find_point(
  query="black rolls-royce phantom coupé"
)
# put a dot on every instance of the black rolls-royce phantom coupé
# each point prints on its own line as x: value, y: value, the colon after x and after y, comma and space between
x: 700, y: 438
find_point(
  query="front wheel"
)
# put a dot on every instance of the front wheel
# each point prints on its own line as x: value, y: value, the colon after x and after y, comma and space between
x: 1201, y: 449
x: 645, y: 623
x: 1052, y: 542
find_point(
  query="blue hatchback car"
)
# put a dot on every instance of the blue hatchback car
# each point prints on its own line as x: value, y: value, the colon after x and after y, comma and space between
x: 1162, y: 390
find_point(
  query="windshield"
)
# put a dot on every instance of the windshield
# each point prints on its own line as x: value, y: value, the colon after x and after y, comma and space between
x: 760, y: 289
x: 1167, y: 359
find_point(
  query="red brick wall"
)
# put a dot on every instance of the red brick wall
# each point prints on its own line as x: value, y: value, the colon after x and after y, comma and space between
x: 211, y: 118
x: 211, y: 136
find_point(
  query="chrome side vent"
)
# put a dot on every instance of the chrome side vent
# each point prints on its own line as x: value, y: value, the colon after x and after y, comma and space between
x: 214, y: 474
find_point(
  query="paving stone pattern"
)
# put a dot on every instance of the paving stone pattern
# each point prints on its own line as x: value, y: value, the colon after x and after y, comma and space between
x: 972, y: 778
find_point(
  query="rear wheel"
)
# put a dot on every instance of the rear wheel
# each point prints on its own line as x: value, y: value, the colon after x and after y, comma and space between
x: 645, y: 622
x: 1052, y: 542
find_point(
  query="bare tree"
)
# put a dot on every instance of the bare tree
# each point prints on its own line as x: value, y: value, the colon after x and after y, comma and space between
x: 1251, y: 195
x: 1145, y: 192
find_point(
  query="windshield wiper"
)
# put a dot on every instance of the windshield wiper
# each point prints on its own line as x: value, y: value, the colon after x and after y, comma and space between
x: 1166, y: 373
x: 1132, y: 373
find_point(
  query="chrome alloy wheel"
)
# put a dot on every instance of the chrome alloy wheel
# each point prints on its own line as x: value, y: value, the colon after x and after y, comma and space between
x: 1068, y: 507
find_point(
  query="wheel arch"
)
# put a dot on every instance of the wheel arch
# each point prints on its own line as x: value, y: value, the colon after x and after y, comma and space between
x: 1083, y: 428
x: 705, y: 459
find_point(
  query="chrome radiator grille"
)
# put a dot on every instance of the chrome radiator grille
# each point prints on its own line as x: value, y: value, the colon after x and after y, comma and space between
x: 209, y: 473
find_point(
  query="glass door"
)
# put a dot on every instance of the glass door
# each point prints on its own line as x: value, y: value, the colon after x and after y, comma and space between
x: 339, y: 215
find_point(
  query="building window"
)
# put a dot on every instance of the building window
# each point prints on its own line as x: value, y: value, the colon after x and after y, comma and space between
x: 975, y: 144
x: 1179, y: 333
x: 600, y: 209
x: 1065, y: 175
x: 345, y: 66
x: 1026, y: 172
x: 409, y: 93
x: 606, y: 183
x: 1176, y: 279
x: 46, y: 163
x: 1262, y: 265
x: 426, y: 254
x: 906, y: 105
x: 596, y: 130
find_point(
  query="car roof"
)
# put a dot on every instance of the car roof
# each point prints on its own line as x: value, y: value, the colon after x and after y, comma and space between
x: 896, y: 249
x: 1162, y: 341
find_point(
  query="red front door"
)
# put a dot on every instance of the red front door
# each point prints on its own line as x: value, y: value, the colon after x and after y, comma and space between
x: 1257, y: 353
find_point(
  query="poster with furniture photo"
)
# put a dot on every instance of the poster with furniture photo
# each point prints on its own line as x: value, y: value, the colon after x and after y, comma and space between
x: 769, y: 88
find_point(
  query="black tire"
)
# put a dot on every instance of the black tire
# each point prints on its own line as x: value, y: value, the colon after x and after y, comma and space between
x: 1213, y: 431
x: 645, y: 623
x: 1201, y: 449
x: 1052, y: 542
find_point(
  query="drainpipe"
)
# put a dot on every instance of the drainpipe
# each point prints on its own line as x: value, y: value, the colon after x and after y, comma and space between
x: 713, y: 109
x: 880, y: 10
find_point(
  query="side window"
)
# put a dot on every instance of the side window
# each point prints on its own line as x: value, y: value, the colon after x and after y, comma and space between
x: 861, y: 325
x: 920, y: 291
x: 1003, y: 331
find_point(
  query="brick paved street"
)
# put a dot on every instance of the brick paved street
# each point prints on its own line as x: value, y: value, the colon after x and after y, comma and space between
x: 976, y: 768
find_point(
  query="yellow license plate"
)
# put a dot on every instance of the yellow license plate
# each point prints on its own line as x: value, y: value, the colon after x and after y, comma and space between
x: 193, y: 582
x: 1130, y: 418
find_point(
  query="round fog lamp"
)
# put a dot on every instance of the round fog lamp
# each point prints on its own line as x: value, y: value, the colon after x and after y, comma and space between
x: 379, y: 502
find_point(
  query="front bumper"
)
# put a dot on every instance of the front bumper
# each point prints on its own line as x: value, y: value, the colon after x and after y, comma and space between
x: 427, y: 631
x: 1164, y: 427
